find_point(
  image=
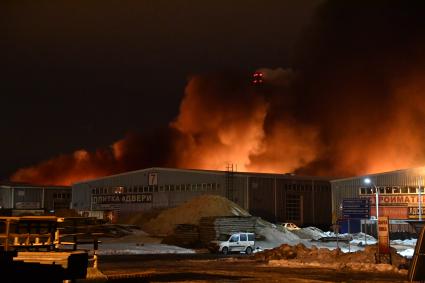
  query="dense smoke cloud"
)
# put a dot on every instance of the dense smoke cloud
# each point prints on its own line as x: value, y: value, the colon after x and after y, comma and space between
x: 351, y: 103
x: 362, y: 66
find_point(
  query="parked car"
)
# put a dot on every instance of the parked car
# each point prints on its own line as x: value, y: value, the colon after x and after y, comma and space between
x: 238, y: 242
x: 290, y: 226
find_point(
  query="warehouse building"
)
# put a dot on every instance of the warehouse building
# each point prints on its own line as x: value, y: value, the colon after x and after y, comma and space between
x: 400, y: 195
x: 274, y: 197
x: 20, y: 198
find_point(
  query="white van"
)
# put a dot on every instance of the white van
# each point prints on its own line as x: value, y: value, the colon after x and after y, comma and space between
x: 238, y: 242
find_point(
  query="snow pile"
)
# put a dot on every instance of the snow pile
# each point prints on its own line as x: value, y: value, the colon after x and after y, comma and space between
x: 408, y: 253
x: 362, y: 239
x: 191, y: 212
x: 405, y: 248
x: 311, y: 233
x: 274, y: 237
x: 300, y: 255
x: 409, y: 242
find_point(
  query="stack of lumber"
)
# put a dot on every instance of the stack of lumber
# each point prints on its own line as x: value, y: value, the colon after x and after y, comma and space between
x: 221, y: 227
x: 108, y: 230
x: 185, y: 235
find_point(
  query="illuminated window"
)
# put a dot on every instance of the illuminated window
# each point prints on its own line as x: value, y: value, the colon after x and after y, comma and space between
x: 118, y: 190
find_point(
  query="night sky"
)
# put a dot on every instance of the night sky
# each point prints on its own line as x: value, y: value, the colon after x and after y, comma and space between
x: 82, y: 74
x: 94, y: 88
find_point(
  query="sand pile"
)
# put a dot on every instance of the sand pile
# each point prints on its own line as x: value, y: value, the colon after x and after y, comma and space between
x: 191, y: 212
x: 140, y: 218
x: 300, y: 254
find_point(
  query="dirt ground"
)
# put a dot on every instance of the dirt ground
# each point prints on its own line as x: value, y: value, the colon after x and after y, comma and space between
x: 215, y: 268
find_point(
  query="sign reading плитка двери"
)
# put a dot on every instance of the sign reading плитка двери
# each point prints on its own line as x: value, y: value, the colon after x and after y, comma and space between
x: 356, y: 208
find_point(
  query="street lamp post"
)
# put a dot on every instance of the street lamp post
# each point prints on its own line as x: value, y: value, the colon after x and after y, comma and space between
x: 420, y: 199
x: 368, y: 181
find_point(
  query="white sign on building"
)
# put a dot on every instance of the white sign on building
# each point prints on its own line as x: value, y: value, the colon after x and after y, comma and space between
x: 153, y: 179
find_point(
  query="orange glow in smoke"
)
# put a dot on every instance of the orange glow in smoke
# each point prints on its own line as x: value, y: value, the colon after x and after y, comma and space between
x: 221, y: 124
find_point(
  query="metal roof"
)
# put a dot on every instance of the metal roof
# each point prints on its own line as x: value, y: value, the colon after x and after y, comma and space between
x: 415, y: 170
x: 8, y: 185
x: 236, y: 173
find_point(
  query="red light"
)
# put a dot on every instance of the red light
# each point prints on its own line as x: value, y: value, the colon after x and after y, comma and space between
x: 257, y: 78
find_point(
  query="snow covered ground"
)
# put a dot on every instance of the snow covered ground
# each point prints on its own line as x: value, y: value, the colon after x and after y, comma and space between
x: 134, y: 249
x: 310, y: 236
x: 141, y: 243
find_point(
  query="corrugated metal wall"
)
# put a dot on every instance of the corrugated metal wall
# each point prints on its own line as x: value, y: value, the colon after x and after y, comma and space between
x: 349, y: 188
x: 268, y: 199
x: 6, y: 197
x: 173, y: 187
x: 33, y: 197
x: 262, y: 195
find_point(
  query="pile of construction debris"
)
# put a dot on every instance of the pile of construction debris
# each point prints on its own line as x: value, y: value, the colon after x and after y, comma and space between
x: 90, y: 225
x: 300, y: 255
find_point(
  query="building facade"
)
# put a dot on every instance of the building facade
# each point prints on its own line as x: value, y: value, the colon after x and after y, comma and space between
x: 274, y: 197
x: 400, y: 193
x: 25, y: 197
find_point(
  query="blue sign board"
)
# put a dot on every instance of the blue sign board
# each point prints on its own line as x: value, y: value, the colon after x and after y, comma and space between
x: 356, y: 208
